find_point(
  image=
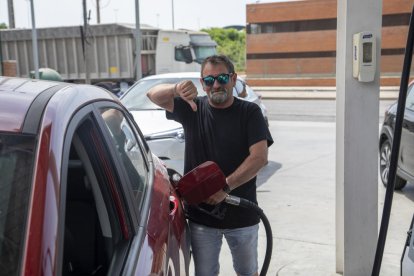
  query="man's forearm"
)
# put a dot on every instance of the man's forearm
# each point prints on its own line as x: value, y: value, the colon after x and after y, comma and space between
x: 247, y: 170
x: 163, y: 95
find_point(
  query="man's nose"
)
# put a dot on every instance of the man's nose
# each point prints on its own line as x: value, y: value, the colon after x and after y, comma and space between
x: 216, y: 84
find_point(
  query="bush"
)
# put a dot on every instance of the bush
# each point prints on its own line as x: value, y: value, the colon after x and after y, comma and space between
x: 231, y: 43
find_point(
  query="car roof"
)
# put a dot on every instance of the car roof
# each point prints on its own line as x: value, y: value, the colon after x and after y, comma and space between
x: 181, y: 75
x: 16, y: 97
x: 174, y: 75
x: 22, y: 101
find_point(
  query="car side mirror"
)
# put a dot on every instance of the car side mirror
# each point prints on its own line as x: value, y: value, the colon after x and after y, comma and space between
x: 183, y: 53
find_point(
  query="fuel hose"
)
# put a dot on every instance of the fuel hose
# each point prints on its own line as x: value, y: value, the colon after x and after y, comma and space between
x: 206, y: 179
x: 244, y: 203
x: 394, y: 150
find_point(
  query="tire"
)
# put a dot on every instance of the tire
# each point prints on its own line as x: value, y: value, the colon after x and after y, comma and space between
x: 385, y: 158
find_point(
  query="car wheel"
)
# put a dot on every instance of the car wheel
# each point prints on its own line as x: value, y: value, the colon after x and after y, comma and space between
x: 385, y: 158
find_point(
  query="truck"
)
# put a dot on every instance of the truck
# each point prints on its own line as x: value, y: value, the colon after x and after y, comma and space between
x: 105, y: 54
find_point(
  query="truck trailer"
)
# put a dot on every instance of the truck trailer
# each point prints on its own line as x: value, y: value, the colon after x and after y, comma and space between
x: 105, y: 54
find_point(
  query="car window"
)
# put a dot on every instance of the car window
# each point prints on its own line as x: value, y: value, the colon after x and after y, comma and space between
x: 409, y: 103
x: 96, y: 228
x: 128, y: 149
x: 202, y: 52
x: 203, y: 47
x: 16, y: 166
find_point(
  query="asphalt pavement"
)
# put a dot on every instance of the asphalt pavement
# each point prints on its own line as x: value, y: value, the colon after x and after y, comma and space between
x: 296, y: 190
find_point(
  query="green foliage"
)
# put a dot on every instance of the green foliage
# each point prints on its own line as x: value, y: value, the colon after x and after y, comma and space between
x: 3, y: 25
x: 231, y: 43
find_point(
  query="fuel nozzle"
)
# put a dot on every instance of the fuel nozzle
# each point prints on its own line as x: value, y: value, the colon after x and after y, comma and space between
x: 237, y: 201
x: 233, y: 200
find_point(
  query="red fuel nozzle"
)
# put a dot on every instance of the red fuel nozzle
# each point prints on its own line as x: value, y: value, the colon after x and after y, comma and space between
x: 201, y: 182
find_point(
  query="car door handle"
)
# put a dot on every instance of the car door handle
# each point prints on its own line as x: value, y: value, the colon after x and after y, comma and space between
x: 173, y: 205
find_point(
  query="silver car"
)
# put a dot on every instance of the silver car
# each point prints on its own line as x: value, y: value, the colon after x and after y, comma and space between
x: 166, y: 137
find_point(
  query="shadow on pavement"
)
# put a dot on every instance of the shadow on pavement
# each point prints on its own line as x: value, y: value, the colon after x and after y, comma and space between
x: 267, y: 172
x: 408, y: 191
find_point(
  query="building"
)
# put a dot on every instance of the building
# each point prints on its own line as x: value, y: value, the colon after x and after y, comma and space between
x: 294, y: 43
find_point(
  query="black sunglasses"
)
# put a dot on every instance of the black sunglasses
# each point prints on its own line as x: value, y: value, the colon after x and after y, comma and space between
x: 221, y: 79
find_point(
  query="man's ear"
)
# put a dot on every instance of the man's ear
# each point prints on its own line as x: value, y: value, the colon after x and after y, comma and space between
x: 234, y: 78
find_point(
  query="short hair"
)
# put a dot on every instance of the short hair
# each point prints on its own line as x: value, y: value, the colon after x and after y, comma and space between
x: 218, y: 59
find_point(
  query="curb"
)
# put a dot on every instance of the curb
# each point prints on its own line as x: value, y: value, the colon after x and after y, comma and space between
x: 326, y: 94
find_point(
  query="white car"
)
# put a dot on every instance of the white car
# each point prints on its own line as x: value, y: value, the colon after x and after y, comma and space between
x: 166, y: 137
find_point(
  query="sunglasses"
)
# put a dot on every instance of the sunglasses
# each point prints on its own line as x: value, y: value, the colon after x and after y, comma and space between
x: 221, y: 79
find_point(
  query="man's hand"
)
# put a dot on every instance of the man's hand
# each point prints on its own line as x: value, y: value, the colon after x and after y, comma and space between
x: 188, y: 92
x: 216, y: 198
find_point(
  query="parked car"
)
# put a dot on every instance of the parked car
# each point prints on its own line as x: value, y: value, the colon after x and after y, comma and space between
x: 405, y: 168
x: 80, y: 191
x: 166, y: 137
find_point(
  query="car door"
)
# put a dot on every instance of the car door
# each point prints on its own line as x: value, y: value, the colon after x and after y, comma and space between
x: 96, y: 225
x: 407, y: 136
x: 149, y: 192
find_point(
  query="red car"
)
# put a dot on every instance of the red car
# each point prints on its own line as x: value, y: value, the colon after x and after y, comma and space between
x: 80, y: 191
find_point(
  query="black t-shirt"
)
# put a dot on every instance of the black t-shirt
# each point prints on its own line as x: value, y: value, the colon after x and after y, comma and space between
x: 223, y: 136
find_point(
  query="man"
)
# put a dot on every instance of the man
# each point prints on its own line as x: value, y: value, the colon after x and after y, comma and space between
x: 232, y: 133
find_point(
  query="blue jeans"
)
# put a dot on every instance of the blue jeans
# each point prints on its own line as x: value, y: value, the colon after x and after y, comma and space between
x: 206, y: 245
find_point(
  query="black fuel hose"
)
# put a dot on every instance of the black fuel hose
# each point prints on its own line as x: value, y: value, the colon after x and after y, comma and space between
x: 241, y: 202
x: 394, y: 150
x: 407, y: 244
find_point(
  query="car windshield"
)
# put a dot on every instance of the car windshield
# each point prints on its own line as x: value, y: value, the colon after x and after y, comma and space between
x: 203, y: 46
x: 136, y: 97
x: 16, y: 166
x: 202, y: 52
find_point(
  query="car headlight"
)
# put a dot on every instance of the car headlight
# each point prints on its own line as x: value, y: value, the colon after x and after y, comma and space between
x: 177, y: 133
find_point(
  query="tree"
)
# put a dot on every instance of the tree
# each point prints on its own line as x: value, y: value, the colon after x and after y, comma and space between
x: 3, y: 25
x: 231, y: 43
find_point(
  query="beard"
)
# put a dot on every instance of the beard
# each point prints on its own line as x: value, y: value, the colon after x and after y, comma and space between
x: 219, y: 97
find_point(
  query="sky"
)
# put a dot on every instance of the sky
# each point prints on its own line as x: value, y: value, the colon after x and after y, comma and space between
x: 188, y: 14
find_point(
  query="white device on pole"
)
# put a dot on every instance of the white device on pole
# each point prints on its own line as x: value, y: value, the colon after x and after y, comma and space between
x: 364, y: 57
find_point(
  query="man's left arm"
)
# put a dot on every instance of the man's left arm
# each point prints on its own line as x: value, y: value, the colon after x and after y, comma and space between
x: 256, y: 159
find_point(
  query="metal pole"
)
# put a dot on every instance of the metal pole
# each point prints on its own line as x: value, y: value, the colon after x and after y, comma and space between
x: 138, y: 39
x: 1, y: 59
x: 11, y: 14
x: 172, y: 12
x: 34, y: 41
x: 85, y: 25
x: 98, y: 12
